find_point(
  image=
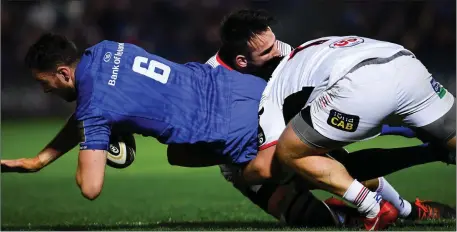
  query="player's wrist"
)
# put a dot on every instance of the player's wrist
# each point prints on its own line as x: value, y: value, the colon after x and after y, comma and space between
x: 43, y: 159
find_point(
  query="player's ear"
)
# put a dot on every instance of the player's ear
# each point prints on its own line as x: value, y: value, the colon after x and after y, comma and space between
x: 241, y: 61
x: 63, y: 73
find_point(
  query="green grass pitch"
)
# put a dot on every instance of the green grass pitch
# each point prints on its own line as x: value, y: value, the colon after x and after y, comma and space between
x: 152, y: 195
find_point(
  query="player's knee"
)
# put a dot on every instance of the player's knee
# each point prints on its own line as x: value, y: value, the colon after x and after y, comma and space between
x: 90, y: 191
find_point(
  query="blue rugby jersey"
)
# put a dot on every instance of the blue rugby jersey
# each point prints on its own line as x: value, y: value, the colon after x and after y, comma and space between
x: 123, y: 85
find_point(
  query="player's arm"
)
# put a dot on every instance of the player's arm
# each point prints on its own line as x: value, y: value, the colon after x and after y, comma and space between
x: 263, y: 166
x: 64, y: 141
x: 90, y: 173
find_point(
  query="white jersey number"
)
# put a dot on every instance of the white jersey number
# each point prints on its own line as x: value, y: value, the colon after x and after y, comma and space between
x: 151, y: 70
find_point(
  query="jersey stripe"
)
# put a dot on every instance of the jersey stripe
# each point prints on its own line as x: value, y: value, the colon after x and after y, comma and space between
x: 270, y: 144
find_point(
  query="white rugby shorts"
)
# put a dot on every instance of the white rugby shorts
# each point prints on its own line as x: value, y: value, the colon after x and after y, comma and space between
x: 356, y: 106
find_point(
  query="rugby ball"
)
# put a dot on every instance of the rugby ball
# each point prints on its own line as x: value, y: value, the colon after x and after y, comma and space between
x: 122, y: 150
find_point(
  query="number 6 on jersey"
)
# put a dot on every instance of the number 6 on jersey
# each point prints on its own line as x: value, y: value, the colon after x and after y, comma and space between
x: 156, y: 70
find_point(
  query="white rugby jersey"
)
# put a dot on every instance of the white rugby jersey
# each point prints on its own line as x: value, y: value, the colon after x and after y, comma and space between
x: 283, y: 48
x: 317, y: 64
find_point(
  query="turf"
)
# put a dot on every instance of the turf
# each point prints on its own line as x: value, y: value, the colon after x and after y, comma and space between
x: 152, y: 195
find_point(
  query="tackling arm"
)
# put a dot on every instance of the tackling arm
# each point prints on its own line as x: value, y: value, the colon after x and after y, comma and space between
x: 66, y: 139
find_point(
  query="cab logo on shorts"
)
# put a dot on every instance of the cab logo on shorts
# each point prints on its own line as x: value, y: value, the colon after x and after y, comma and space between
x: 439, y: 89
x: 342, y: 121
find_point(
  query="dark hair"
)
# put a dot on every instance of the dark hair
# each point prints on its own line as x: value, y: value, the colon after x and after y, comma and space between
x: 51, y: 50
x: 238, y: 28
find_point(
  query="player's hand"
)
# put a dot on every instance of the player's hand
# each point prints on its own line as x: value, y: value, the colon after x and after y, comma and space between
x: 24, y: 165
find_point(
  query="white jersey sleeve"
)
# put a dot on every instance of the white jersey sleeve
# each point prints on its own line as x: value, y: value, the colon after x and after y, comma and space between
x: 283, y: 48
x: 213, y: 61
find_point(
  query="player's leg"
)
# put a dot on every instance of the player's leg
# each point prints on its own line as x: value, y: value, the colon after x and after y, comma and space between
x: 282, y: 197
x: 352, y: 110
x: 440, y: 131
x: 301, y: 208
x: 388, y: 193
x: 260, y: 194
x: 427, y: 106
x: 292, y: 202
x: 379, y: 185
x: 424, y: 103
x: 379, y: 161
x: 404, y: 156
x: 410, y: 210
x: 330, y: 175
x: 283, y: 200
x: 415, y: 210
x: 431, y: 110
x: 287, y: 198
x: 259, y: 170
x: 295, y: 205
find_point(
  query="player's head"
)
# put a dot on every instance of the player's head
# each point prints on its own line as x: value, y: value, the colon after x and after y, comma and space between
x: 52, y: 60
x: 248, y: 43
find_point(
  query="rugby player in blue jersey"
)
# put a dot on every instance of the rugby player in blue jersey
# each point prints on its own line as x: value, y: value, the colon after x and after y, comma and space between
x: 122, y: 85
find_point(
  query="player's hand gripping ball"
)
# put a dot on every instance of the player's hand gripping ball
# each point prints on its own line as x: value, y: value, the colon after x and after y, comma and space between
x: 122, y: 150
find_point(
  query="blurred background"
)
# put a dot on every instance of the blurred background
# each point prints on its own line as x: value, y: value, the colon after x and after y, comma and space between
x: 187, y: 30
